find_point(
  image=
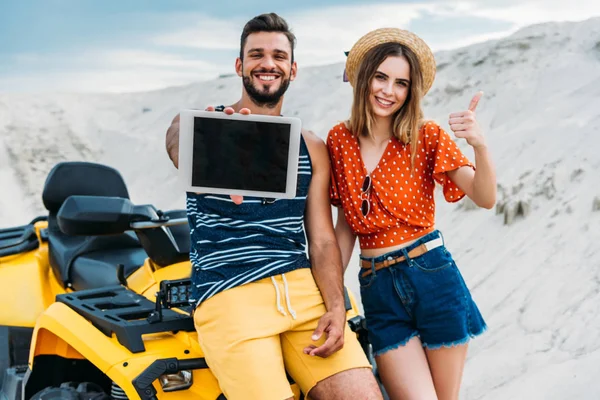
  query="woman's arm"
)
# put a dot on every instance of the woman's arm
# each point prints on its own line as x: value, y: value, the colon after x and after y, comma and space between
x: 479, y: 185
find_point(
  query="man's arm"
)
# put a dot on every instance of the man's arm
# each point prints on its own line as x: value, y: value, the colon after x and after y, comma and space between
x: 172, y: 141
x: 345, y: 237
x: 324, y: 251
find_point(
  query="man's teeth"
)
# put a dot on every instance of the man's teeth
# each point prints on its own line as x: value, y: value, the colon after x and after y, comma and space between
x: 266, y: 77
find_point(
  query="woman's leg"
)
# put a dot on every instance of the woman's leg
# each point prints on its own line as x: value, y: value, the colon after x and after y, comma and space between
x: 446, y: 365
x: 446, y: 318
x: 405, y: 372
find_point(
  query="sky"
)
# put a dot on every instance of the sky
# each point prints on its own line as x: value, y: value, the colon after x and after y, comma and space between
x: 140, y: 45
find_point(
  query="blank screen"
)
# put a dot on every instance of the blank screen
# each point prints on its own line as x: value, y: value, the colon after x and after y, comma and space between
x: 244, y: 155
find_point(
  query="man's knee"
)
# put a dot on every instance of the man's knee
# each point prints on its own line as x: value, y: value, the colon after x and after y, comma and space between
x: 358, y: 383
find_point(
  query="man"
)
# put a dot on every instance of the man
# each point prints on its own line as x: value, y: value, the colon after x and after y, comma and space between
x: 262, y: 307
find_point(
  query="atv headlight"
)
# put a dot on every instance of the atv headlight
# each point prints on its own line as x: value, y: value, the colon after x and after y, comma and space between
x: 178, y: 381
x: 176, y: 292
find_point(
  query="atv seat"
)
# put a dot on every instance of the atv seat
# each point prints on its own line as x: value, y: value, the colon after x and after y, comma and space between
x: 87, y: 179
x: 97, y: 269
x: 87, y: 262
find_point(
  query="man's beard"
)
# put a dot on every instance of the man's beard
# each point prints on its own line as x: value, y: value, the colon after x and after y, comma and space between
x: 265, y: 99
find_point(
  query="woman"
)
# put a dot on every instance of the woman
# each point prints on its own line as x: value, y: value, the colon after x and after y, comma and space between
x: 385, y: 161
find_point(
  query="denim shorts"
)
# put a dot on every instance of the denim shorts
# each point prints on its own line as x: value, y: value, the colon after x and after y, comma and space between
x: 423, y: 296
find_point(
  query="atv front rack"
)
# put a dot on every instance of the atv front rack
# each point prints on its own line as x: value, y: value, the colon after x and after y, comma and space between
x: 118, y: 310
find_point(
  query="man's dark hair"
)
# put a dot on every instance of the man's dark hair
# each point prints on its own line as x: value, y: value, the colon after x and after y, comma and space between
x: 267, y: 23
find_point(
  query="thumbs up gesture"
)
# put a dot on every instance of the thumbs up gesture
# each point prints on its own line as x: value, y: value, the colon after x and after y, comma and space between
x: 465, y: 126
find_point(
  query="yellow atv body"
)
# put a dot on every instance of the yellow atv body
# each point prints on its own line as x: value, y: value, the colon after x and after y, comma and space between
x: 93, y: 298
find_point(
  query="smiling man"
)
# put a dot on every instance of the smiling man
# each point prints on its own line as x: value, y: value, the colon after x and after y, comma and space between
x: 265, y: 83
x: 262, y: 306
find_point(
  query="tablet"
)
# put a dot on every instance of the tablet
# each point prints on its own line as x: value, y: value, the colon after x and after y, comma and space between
x: 247, y: 155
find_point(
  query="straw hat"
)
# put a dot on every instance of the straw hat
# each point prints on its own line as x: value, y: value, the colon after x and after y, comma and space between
x: 392, y: 35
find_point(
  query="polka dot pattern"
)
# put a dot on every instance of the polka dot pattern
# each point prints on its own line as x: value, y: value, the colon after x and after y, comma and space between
x: 402, y: 201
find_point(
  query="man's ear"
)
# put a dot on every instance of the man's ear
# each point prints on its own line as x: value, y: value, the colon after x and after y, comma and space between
x: 239, y: 66
x: 293, y: 71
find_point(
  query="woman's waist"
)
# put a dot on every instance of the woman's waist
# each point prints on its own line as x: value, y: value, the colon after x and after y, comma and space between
x: 383, y: 253
x: 384, y: 250
x: 385, y: 241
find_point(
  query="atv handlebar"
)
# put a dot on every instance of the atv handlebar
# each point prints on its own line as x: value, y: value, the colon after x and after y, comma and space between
x: 97, y: 215
x: 158, y: 224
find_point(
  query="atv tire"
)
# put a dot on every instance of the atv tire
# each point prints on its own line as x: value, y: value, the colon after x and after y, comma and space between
x: 72, y: 391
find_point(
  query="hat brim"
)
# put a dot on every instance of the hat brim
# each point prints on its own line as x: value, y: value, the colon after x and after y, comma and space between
x: 392, y: 35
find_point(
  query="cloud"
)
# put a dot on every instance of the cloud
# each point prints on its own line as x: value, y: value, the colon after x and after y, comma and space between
x: 323, y: 34
x: 204, y: 33
x: 130, y: 58
x: 121, y: 70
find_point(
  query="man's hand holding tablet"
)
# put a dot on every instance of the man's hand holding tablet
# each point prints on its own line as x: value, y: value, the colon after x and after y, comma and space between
x: 238, y: 153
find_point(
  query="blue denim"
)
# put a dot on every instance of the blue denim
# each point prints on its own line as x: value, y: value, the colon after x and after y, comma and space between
x: 424, y: 296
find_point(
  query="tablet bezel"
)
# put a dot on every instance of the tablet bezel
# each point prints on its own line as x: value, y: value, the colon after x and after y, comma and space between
x: 186, y: 141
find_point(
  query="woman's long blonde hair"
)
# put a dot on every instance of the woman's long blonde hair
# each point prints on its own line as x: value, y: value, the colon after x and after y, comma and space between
x: 409, y: 119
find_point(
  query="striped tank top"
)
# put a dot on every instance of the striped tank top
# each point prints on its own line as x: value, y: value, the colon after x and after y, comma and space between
x: 232, y: 245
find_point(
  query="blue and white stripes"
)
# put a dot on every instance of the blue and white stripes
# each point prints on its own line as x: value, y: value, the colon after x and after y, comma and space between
x: 236, y: 244
x: 304, y: 166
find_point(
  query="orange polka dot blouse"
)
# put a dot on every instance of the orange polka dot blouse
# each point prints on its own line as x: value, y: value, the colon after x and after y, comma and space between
x: 402, y: 205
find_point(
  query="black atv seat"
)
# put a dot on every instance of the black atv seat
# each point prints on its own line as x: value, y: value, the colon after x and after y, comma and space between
x: 98, y: 269
x: 85, y: 262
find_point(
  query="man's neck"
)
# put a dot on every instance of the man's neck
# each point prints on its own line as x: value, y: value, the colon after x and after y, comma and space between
x: 246, y: 102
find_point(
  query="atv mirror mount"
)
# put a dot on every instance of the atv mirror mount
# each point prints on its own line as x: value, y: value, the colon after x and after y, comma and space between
x: 172, y: 294
x: 100, y: 215
x: 157, y: 315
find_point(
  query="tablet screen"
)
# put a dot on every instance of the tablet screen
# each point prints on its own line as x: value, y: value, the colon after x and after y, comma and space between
x: 245, y: 155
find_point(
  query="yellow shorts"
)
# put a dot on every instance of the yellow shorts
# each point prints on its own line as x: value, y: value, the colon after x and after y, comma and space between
x: 249, y: 344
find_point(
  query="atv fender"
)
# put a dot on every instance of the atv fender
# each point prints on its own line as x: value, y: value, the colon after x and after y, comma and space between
x: 62, y: 332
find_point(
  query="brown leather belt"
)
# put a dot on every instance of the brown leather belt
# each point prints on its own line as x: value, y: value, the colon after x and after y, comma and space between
x: 416, y: 252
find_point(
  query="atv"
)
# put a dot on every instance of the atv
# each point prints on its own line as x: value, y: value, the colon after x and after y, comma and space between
x: 95, y: 298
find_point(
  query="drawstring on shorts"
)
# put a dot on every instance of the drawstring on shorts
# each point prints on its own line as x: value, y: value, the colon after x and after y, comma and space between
x: 287, y: 297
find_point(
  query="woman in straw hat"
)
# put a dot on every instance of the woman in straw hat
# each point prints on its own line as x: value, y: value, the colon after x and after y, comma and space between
x: 385, y: 161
